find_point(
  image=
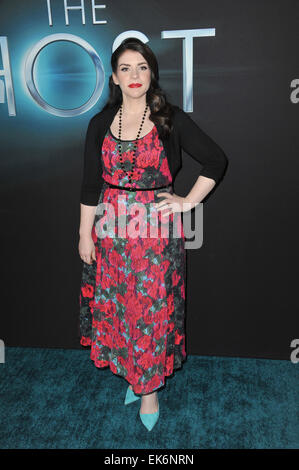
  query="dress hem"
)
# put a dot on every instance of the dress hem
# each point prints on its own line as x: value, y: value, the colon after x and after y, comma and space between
x: 85, y: 341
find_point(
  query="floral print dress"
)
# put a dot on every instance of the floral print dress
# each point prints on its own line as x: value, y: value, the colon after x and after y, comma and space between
x: 132, y: 298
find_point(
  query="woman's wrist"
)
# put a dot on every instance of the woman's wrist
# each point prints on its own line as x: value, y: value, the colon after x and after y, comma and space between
x: 188, y: 201
x: 84, y: 233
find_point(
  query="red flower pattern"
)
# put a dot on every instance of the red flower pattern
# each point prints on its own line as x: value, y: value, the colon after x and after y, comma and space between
x: 132, y: 298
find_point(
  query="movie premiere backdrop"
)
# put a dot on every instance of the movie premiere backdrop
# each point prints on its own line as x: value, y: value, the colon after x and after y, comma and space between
x: 233, y: 66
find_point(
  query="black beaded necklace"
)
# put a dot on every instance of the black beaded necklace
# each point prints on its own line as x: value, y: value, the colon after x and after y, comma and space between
x: 135, y: 143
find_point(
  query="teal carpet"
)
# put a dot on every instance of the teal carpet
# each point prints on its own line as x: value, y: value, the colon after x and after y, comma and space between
x: 58, y: 399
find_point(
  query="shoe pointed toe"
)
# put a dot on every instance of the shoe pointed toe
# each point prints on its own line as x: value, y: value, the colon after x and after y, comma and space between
x: 149, y: 419
x: 130, y: 396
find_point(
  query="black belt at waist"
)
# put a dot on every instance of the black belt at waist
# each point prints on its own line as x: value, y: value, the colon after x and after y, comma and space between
x: 137, y: 189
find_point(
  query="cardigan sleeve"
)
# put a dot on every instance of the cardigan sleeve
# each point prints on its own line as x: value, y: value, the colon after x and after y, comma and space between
x: 201, y: 147
x: 92, y: 170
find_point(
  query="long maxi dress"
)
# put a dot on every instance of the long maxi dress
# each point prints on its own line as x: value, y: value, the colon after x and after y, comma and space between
x: 132, y: 298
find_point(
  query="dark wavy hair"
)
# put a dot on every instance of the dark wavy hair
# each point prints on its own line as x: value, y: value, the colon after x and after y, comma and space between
x: 161, y: 110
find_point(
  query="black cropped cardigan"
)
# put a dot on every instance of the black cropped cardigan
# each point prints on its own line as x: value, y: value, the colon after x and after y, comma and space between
x: 186, y: 135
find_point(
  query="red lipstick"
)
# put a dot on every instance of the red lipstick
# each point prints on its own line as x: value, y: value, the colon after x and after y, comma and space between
x: 135, y: 85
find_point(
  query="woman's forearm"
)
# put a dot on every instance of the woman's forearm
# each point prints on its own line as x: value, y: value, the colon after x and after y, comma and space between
x: 87, y: 214
x: 199, y: 191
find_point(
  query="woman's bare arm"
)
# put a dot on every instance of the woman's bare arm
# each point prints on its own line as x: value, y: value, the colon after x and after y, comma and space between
x: 87, y: 214
x: 86, y: 245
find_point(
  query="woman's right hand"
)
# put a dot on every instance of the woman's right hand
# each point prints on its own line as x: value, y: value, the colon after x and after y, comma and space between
x: 87, y: 249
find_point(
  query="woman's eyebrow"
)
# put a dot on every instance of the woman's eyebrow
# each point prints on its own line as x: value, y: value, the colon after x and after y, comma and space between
x: 140, y: 63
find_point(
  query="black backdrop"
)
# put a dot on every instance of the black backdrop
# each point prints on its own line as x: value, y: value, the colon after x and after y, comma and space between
x: 242, y: 283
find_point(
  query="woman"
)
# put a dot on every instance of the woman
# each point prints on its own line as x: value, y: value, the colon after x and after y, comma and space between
x: 132, y: 295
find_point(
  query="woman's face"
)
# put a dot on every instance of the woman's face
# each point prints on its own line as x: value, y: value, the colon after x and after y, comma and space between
x: 132, y: 68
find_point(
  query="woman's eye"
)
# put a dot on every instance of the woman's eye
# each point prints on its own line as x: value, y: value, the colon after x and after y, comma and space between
x: 126, y: 68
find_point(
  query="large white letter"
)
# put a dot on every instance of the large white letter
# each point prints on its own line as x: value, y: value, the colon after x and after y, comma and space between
x: 188, y: 35
x: 6, y: 73
x: 29, y: 80
x: 66, y: 13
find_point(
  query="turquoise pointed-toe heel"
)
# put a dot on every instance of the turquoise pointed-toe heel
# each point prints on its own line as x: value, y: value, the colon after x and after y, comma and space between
x: 149, y: 419
x: 130, y: 396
